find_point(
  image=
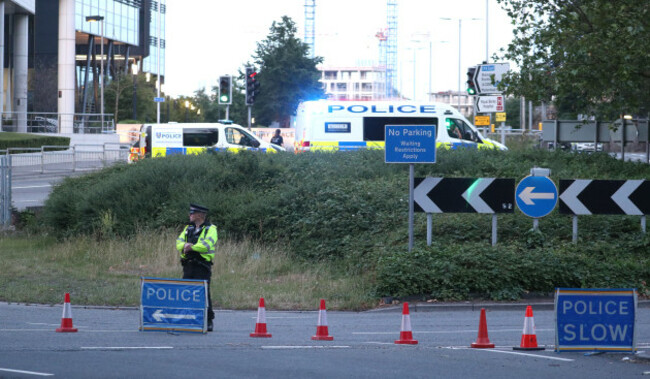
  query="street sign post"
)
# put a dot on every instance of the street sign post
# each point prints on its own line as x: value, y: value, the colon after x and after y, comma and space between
x: 464, y: 195
x: 488, y: 76
x: 489, y: 104
x: 595, y: 319
x: 536, y: 196
x: 173, y: 305
x: 501, y: 117
x: 587, y: 197
x: 482, y: 120
x: 410, y: 144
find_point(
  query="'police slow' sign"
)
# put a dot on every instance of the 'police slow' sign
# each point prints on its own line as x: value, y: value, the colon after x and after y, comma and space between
x: 595, y: 319
x: 173, y: 304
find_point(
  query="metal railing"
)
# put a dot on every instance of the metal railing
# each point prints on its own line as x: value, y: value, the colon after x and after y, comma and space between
x: 41, y: 122
x: 5, y: 191
x: 53, y: 159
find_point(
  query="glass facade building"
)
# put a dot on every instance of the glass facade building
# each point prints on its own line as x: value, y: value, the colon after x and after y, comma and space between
x: 121, y: 19
x: 68, y: 49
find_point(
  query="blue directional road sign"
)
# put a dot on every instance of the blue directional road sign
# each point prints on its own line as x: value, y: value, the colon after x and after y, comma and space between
x: 536, y: 196
x: 159, y: 99
x: 595, y: 319
x: 410, y: 144
x: 173, y: 304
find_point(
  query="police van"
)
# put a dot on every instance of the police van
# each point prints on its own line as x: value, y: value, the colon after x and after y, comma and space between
x: 328, y: 125
x: 159, y: 140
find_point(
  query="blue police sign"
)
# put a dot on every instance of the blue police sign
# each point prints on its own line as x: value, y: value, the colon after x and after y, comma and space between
x: 595, y: 319
x: 410, y: 144
x: 536, y: 196
x: 173, y: 304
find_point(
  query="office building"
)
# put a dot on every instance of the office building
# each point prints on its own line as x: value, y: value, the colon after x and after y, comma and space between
x: 353, y: 83
x: 66, y: 39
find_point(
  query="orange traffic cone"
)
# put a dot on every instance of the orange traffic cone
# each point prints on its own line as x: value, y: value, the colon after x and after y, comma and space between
x: 322, y: 332
x: 260, y: 326
x: 482, y: 341
x: 66, y: 319
x: 406, y: 335
x: 528, y: 337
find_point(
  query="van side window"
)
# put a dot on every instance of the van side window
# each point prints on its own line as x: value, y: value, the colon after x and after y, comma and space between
x: 457, y: 128
x: 238, y: 137
x: 200, y: 137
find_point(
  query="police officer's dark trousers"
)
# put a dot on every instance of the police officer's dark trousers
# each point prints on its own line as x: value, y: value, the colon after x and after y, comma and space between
x: 196, y: 270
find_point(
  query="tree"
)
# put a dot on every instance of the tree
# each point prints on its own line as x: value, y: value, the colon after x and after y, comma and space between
x: 119, y: 98
x: 287, y: 75
x: 589, y: 56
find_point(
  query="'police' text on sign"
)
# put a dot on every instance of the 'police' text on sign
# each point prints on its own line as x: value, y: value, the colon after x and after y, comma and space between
x: 595, y: 319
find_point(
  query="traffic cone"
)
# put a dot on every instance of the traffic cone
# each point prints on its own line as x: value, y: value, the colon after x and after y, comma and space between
x: 322, y: 332
x: 260, y: 326
x: 66, y: 319
x: 482, y: 341
x: 528, y: 337
x: 406, y: 335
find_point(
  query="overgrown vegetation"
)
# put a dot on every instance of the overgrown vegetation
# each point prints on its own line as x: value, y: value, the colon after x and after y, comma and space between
x: 349, y: 210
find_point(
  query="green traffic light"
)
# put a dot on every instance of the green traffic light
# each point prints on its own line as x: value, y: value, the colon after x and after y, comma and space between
x: 471, y: 91
x: 224, y: 98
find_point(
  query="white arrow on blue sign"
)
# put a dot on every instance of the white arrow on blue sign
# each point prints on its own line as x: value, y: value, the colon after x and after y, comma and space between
x: 173, y: 304
x: 536, y: 196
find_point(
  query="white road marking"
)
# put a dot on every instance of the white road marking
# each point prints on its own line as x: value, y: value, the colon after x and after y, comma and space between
x: 525, y: 354
x: 26, y: 372
x: 127, y: 347
x: 453, y: 331
x: 305, y: 347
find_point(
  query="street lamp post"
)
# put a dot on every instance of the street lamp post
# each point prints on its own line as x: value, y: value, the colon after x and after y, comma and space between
x: 134, y: 68
x: 460, y: 22
x: 187, y: 107
x: 100, y: 19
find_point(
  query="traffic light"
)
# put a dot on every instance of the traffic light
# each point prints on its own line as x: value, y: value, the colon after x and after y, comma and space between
x: 225, y: 90
x: 471, y: 84
x: 252, y: 85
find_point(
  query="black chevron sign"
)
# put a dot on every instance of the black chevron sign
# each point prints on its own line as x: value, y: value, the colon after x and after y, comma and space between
x: 464, y: 195
x: 613, y: 197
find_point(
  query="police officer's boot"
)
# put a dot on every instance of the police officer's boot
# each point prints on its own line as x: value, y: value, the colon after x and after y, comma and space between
x: 210, y: 326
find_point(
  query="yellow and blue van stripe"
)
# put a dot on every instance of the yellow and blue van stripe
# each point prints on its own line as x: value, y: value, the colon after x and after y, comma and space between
x: 166, y: 151
x: 356, y: 145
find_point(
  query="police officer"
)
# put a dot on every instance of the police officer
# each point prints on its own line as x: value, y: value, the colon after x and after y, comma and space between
x: 197, y: 244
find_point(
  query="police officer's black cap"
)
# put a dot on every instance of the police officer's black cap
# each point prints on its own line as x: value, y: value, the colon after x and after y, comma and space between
x: 195, y: 208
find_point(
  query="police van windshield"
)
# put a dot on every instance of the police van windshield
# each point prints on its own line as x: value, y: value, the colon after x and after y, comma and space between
x: 374, y: 128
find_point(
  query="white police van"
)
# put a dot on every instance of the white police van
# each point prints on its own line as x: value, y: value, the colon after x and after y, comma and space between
x: 159, y: 140
x: 328, y: 125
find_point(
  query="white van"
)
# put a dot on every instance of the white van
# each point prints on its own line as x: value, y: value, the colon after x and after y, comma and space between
x: 159, y: 140
x: 350, y: 125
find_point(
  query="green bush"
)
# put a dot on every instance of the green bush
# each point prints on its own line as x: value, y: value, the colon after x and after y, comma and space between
x: 352, y: 207
x: 461, y: 271
x: 10, y: 139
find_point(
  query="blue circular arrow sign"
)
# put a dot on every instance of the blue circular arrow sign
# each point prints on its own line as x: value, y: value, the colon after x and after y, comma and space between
x: 536, y: 196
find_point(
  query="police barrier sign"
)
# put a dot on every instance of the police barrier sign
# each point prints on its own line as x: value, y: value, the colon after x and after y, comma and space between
x: 595, y: 319
x: 173, y: 304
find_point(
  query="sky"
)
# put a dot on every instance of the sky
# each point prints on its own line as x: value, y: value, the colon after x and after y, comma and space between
x: 210, y: 38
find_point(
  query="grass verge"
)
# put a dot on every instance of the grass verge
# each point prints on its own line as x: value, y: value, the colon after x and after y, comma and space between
x: 40, y: 269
